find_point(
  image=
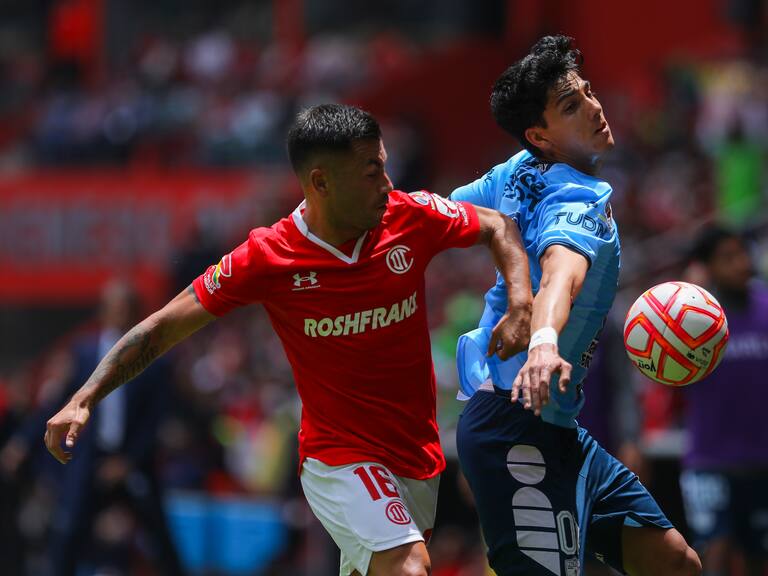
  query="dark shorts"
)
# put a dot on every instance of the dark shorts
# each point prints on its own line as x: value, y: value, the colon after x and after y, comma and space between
x: 546, y: 495
x: 728, y: 505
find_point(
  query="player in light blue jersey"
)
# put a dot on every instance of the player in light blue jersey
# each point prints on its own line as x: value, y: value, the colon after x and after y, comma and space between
x: 546, y: 492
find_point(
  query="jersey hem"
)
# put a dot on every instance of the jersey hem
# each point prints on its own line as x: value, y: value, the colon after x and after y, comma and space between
x: 362, y: 459
x: 474, y: 223
x: 206, y: 302
x: 393, y: 542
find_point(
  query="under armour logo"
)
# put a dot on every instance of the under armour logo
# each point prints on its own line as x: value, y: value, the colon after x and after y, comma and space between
x: 304, y: 282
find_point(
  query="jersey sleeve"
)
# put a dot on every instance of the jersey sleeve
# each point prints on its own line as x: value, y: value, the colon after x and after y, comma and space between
x: 237, y: 280
x: 480, y: 192
x: 447, y: 224
x: 578, y: 225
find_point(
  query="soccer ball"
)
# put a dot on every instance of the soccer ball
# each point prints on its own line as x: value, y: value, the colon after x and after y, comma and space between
x: 676, y: 333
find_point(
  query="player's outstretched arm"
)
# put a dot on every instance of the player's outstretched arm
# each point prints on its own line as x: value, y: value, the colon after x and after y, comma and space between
x: 136, y: 350
x: 501, y: 234
x: 562, y: 275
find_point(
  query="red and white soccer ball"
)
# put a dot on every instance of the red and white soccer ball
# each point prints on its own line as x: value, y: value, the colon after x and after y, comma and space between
x: 676, y: 333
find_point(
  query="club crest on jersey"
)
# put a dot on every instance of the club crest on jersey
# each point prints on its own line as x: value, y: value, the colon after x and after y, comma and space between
x: 399, y: 260
x: 305, y: 282
x: 607, y: 218
x: 397, y: 513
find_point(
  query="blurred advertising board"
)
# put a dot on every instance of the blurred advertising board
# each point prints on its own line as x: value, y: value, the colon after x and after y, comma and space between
x: 63, y: 234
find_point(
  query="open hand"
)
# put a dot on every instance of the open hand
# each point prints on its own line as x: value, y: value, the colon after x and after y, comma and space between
x: 533, y: 379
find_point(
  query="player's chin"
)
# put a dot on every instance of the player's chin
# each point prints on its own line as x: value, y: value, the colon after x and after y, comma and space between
x: 374, y: 219
x: 605, y: 139
x: 604, y: 144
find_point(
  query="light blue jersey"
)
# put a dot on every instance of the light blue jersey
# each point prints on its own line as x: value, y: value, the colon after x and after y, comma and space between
x: 553, y: 204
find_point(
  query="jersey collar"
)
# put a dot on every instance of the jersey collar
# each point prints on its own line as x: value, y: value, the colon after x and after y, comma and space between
x: 298, y: 219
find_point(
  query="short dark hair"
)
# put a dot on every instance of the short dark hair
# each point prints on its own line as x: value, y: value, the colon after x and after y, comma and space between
x: 519, y: 95
x: 708, y: 240
x: 328, y: 127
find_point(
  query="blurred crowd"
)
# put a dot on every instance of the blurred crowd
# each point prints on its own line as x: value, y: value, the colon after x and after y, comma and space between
x: 184, y: 92
x: 227, y: 428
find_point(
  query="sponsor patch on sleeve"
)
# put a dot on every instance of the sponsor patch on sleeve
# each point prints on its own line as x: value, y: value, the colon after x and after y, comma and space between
x: 214, y: 274
x: 447, y: 208
x: 422, y: 197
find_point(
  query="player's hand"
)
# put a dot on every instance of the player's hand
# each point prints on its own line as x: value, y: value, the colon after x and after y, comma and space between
x: 512, y: 333
x: 65, y: 427
x: 532, y: 381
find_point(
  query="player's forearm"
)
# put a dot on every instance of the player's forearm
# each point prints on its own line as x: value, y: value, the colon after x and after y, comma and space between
x: 552, y: 304
x: 128, y: 358
x: 512, y: 262
x: 143, y: 344
x: 563, y: 275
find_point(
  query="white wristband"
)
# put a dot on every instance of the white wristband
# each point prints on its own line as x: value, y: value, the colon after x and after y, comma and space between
x: 546, y: 335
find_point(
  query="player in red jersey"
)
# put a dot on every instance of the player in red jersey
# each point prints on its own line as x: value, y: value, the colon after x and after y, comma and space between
x: 342, y: 279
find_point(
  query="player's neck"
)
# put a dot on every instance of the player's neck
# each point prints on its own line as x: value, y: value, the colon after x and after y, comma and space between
x: 590, y: 166
x: 324, y: 228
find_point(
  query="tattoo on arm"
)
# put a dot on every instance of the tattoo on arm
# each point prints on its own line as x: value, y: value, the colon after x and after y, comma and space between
x: 127, y: 359
x: 144, y: 343
x: 191, y: 290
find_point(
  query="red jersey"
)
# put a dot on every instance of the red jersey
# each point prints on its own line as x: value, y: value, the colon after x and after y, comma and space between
x: 354, y: 326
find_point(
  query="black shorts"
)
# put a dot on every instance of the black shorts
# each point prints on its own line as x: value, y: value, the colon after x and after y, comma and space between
x: 546, y: 495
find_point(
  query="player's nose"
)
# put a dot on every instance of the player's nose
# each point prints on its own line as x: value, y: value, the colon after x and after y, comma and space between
x: 387, y: 186
x: 595, y: 108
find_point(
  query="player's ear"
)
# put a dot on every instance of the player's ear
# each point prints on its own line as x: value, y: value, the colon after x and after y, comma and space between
x: 536, y: 136
x: 319, y: 181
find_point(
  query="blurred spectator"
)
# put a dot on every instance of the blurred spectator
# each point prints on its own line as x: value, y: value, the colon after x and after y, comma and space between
x: 740, y: 176
x: 113, y: 482
x: 613, y: 414
x: 14, y: 400
x: 726, y: 462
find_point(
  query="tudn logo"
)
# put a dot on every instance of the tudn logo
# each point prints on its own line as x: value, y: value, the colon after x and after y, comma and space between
x: 305, y: 282
x: 398, y: 259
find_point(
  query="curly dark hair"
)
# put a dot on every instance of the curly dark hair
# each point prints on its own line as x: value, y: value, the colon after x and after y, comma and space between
x: 709, y: 239
x: 519, y: 95
x: 328, y: 127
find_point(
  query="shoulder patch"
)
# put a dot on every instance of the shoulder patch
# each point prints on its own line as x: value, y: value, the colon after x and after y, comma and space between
x: 422, y: 197
x: 443, y: 206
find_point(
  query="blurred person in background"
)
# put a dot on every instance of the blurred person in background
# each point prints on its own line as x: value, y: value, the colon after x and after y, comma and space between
x: 612, y: 415
x: 342, y: 279
x: 725, y: 466
x: 14, y: 403
x: 113, y: 482
x: 739, y: 162
x: 28, y: 485
x: 546, y: 492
